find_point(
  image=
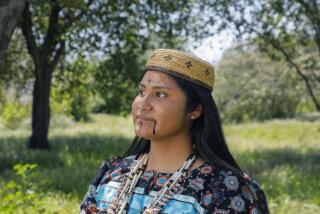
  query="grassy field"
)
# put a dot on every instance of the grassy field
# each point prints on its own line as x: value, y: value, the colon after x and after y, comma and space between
x: 282, y: 155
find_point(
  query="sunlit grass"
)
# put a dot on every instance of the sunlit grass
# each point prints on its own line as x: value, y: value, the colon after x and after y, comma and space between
x: 274, y: 134
x: 282, y: 155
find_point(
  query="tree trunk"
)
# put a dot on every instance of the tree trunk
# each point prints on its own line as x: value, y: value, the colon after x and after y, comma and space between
x: 41, y: 107
x: 10, y: 12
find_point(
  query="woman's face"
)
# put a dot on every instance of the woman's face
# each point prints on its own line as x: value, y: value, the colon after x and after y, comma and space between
x: 159, y: 109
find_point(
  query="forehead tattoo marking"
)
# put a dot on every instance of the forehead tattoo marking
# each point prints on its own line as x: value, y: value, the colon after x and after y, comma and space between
x: 152, y: 83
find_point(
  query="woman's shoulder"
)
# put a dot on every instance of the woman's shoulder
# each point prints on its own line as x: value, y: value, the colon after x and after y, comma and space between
x: 231, y: 190
x: 106, y: 168
x: 110, y: 164
x: 118, y: 161
x: 232, y: 179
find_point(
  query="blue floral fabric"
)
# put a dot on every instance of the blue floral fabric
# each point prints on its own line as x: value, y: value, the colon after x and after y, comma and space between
x: 209, y: 188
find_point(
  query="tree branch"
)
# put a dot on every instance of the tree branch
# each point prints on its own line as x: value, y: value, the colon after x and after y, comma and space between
x: 26, y: 26
x: 278, y: 47
x: 53, y: 34
x: 298, y: 70
x: 57, y: 55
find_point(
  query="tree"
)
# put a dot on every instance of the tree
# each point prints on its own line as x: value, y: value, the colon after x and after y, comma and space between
x: 44, y: 26
x: 284, y: 29
x: 118, y: 77
x: 73, y: 88
x: 10, y: 12
x: 55, y: 28
x: 261, y: 89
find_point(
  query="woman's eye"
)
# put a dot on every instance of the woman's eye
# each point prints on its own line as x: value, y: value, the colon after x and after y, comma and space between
x: 161, y: 94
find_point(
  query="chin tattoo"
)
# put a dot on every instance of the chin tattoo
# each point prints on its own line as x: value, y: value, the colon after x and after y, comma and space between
x: 151, y: 126
x: 154, y: 128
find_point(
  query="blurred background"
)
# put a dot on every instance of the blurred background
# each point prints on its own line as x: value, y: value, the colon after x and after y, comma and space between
x: 69, y: 71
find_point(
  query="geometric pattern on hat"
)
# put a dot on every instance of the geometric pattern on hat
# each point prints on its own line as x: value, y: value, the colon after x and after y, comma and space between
x: 182, y: 65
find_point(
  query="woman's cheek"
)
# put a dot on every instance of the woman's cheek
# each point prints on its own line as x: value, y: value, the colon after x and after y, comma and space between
x: 134, y: 107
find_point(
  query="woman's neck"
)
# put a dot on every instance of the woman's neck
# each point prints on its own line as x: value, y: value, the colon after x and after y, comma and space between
x: 167, y: 155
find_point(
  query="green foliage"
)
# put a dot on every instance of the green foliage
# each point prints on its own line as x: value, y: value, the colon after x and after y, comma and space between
x: 2, y: 96
x: 252, y: 87
x: 15, y: 74
x: 73, y: 89
x: 18, y: 64
x: 21, y: 194
x: 80, y: 103
x: 73, y: 28
x: 59, y: 102
x: 13, y: 113
x: 17, y: 70
x: 118, y: 79
x: 285, y: 30
x: 62, y: 29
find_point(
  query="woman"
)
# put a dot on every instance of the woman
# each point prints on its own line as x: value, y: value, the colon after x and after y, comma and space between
x: 179, y: 161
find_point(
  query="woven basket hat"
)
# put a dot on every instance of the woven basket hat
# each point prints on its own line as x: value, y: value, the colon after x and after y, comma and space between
x: 182, y: 65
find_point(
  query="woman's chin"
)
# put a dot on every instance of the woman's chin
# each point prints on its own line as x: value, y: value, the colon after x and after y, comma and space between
x: 145, y: 136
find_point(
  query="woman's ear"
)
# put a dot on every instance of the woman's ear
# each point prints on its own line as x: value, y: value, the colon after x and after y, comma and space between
x: 197, y: 112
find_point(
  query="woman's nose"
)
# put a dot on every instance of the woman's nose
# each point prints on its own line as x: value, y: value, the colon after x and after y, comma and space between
x: 145, y: 103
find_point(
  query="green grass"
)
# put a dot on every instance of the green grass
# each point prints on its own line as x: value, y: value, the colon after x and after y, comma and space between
x: 282, y: 155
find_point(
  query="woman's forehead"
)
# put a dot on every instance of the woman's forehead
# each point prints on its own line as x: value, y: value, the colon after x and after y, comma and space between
x: 156, y: 78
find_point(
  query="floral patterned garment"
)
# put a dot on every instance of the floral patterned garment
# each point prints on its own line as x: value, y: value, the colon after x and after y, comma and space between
x: 207, y: 189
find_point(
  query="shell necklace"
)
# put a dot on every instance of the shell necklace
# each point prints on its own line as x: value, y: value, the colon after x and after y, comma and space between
x: 120, y: 204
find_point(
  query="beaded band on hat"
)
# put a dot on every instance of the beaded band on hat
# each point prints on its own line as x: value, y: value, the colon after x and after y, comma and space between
x: 182, y: 65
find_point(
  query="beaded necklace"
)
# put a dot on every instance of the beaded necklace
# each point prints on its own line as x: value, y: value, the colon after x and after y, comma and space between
x: 120, y: 204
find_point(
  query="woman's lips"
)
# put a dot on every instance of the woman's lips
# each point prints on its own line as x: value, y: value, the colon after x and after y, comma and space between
x: 141, y: 118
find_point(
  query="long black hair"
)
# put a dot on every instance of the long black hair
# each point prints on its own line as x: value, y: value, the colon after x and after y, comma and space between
x: 206, y: 131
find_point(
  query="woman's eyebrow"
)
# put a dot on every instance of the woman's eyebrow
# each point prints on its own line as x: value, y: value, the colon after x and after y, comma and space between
x: 155, y: 86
